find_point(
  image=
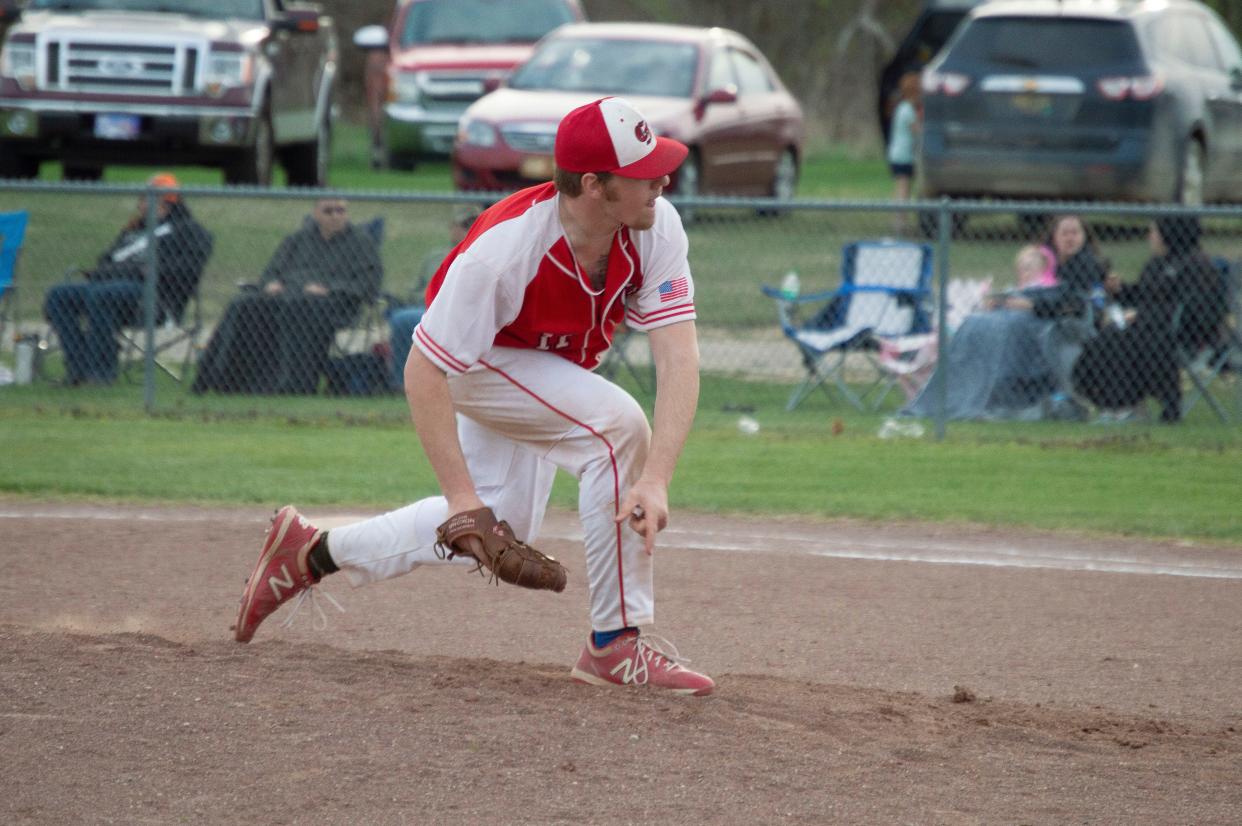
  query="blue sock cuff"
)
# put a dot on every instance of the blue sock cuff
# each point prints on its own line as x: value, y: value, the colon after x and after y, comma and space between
x: 601, y: 638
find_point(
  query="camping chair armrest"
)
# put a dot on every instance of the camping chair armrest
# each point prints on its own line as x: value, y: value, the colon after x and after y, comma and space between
x: 774, y: 292
x: 904, y: 291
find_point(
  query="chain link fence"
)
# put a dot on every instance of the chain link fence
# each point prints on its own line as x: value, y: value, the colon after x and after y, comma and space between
x: 929, y: 312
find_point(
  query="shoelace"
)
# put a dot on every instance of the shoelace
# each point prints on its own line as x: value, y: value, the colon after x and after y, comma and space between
x: 321, y: 622
x: 648, y: 646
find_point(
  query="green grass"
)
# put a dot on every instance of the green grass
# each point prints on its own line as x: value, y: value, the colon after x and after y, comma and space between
x: 1150, y: 481
x: 793, y: 466
x: 732, y: 251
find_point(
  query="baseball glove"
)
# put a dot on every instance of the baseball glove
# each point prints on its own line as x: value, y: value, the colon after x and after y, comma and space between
x: 492, y: 545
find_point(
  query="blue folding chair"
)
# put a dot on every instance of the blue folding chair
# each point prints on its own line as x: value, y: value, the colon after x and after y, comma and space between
x: 885, y: 293
x: 12, y: 236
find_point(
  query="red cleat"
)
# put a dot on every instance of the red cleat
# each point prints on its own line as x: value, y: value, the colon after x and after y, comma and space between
x: 645, y: 660
x: 281, y: 573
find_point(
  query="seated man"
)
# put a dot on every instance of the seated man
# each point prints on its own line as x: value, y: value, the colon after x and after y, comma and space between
x: 87, y: 316
x: 275, y: 339
x: 403, y: 320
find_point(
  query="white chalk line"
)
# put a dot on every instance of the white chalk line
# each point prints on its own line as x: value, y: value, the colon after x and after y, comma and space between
x: 937, y: 553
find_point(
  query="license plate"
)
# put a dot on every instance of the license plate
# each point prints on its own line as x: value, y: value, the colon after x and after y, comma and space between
x: 118, y: 127
x: 536, y: 167
x: 1036, y: 105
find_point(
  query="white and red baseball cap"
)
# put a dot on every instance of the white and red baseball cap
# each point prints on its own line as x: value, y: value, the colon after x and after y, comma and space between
x: 610, y: 135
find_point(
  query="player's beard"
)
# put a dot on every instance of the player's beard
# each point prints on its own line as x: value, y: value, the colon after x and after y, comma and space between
x: 643, y: 220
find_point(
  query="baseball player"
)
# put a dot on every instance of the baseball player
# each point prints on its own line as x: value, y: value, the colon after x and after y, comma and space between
x: 501, y: 392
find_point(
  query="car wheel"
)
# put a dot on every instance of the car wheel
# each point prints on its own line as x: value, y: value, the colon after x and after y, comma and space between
x: 1190, y: 184
x: 403, y: 161
x: 307, y: 164
x: 784, y: 181
x: 254, y: 164
x: 1032, y: 226
x: 73, y: 172
x: 15, y: 165
x: 689, y: 184
x: 929, y: 224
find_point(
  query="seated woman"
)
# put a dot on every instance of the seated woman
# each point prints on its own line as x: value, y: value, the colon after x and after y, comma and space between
x: 1013, y: 362
x: 1177, y: 303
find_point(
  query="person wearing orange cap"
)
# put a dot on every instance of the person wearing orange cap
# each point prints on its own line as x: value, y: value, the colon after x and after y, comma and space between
x: 87, y: 316
x: 502, y: 391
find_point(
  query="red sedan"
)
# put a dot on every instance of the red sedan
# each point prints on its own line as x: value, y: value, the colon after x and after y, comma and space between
x: 709, y: 88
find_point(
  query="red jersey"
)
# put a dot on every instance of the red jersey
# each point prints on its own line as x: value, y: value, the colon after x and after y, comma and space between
x: 514, y: 282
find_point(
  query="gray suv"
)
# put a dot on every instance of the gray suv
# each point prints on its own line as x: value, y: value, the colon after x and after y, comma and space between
x: 1110, y: 101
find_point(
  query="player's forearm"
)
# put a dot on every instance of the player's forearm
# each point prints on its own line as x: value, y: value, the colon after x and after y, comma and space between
x: 675, y: 350
x: 431, y: 409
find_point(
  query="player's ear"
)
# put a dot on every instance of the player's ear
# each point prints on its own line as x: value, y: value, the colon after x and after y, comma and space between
x: 592, y: 186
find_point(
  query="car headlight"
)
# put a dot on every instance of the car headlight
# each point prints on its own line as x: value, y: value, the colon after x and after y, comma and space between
x: 17, y: 60
x: 406, y: 87
x: 476, y: 133
x: 227, y: 69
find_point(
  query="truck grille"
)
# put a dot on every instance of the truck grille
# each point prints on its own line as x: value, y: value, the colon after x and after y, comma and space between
x: 458, y: 86
x: 77, y: 65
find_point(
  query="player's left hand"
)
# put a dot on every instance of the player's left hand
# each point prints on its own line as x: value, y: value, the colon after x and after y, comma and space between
x: 645, y: 507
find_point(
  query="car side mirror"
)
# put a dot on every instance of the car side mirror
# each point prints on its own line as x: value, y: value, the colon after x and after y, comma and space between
x: 492, y: 82
x: 371, y: 37
x: 297, y: 20
x: 721, y: 95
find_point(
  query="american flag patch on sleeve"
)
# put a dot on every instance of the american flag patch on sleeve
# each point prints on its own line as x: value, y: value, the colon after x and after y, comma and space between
x: 674, y: 289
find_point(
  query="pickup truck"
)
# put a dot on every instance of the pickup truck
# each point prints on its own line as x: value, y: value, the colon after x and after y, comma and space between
x: 233, y: 84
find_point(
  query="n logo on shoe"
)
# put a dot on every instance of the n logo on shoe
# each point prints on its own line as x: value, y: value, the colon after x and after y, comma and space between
x: 633, y: 670
x: 274, y: 583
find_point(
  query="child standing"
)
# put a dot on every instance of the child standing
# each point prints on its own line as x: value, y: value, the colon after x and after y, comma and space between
x: 903, y: 138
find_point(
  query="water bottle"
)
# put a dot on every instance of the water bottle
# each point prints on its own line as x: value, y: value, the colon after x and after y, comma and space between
x: 790, y: 285
x: 25, y: 359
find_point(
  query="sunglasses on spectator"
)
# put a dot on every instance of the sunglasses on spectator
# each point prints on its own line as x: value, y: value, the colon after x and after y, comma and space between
x: 333, y: 210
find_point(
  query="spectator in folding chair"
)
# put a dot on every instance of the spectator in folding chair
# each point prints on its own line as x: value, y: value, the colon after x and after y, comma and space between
x: 402, y: 320
x: 88, y: 316
x: 274, y: 338
x: 1178, y: 304
x: 1013, y: 362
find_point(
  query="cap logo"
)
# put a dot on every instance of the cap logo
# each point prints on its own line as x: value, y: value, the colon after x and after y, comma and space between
x: 642, y: 132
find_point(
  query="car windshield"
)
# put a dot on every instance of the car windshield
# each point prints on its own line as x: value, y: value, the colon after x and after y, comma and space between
x: 482, y: 21
x: 1038, y: 44
x: 217, y: 9
x: 632, y: 67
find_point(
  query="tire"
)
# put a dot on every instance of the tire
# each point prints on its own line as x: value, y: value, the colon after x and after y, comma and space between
x: 1190, y: 178
x: 402, y: 161
x: 307, y: 163
x: 784, y: 181
x: 82, y: 173
x: 929, y: 225
x: 16, y: 165
x: 254, y: 164
x: 689, y: 184
x: 1032, y: 226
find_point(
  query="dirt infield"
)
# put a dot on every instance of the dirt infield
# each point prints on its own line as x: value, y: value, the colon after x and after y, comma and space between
x: 850, y: 690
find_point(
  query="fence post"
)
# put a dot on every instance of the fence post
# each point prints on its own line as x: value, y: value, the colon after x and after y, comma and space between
x: 944, y: 235
x: 150, y: 273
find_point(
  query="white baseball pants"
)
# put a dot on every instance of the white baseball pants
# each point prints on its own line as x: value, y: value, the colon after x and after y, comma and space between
x: 521, y: 415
